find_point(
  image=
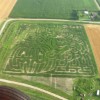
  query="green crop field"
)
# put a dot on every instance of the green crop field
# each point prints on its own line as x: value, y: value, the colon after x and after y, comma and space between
x: 56, y: 9
x: 46, y: 48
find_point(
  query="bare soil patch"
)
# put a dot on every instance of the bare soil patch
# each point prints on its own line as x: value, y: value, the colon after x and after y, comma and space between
x: 6, y: 7
x: 93, y: 32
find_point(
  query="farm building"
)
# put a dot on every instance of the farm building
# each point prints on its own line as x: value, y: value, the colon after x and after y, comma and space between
x: 98, y: 92
x: 86, y: 12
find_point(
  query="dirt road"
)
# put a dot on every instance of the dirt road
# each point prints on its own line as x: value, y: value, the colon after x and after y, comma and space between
x: 97, y: 4
x: 33, y: 87
x: 12, y: 19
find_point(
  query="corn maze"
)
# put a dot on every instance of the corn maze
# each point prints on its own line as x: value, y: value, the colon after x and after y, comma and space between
x: 47, y: 48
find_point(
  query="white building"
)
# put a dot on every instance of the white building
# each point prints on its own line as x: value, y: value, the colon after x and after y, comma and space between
x: 86, y: 12
x: 98, y: 92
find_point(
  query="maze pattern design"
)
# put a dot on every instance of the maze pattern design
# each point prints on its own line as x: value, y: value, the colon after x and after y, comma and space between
x: 60, y: 49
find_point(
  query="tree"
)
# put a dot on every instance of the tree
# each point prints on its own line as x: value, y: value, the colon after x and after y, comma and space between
x: 74, y: 15
x: 84, y: 85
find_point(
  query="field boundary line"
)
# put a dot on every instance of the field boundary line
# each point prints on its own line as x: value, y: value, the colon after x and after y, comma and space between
x: 33, y: 87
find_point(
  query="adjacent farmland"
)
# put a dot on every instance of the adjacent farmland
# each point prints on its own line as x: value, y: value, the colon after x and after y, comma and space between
x: 58, y: 9
x: 6, y: 7
x: 93, y: 32
x: 46, y: 48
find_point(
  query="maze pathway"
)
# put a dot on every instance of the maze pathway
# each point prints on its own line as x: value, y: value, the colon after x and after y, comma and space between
x: 46, y: 48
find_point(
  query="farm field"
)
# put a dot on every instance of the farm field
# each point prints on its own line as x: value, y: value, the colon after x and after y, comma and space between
x: 52, y: 9
x: 6, y: 7
x: 46, y: 48
x: 93, y: 32
x: 49, y: 49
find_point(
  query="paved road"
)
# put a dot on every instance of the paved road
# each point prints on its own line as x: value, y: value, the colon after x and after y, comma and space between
x: 33, y: 87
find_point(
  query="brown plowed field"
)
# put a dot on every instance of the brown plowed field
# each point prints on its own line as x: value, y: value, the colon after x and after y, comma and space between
x: 93, y: 32
x: 6, y: 7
